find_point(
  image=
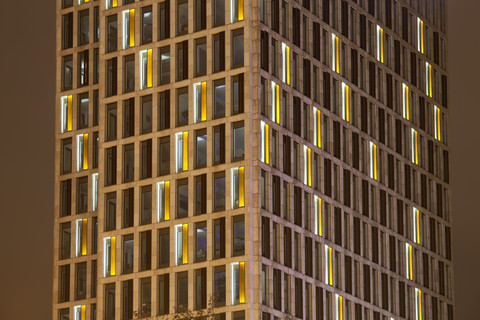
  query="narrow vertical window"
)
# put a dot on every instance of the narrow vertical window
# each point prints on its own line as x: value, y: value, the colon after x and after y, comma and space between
x: 373, y: 160
x: 285, y: 63
x: 200, y: 241
x: 94, y: 191
x: 338, y: 307
x: 164, y: 65
x: 406, y: 101
x: 317, y: 127
x: 275, y: 102
x: 200, y: 57
x: 111, y: 30
x: 146, y: 25
x: 79, y: 312
x: 420, y: 35
x: 428, y: 79
x: 318, y: 215
x: 236, y: 10
x: 66, y: 113
x: 307, y: 166
x: 418, y: 304
x: 200, y: 101
x: 328, y: 266
x: 109, y: 4
x: 146, y: 69
x: 80, y: 237
x: 200, y: 148
x: 181, y: 154
x: 238, y: 283
x: 265, y: 149
x: 237, y: 47
x: 219, y: 51
x: 437, y: 123
x: 238, y: 141
x: 416, y: 225
x: 109, y: 256
x: 182, y: 17
x: 82, y: 152
x: 67, y: 72
x: 163, y: 201
x: 219, y: 15
x: 335, y: 54
x: 238, y: 187
x: 128, y: 28
x: 409, y: 261
x: 181, y: 244
x: 345, y: 102
x: 414, y: 146
x: 380, y: 44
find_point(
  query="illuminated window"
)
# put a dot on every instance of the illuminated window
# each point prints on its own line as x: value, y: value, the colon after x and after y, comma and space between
x: 66, y: 113
x: 307, y: 166
x: 146, y: 69
x: 109, y: 256
x: 416, y: 225
x: 409, y: 261
x: 335, y: 54
x: 428, y: 79
x: 238, y: 187
x: 437, y: 123
x: 181, y: 244
x: 79, y: 312
x: 345, y: 102
x: 286, y: 63
x: 181, y: 154
x: 128, y: 28
x: 338, y: 307
x: 414, y: 146
x: 265, y: 149
x: 418, y: 304
x: 110, y: 4
x: 238, y: 282
x: 82, y: 152
x: 317, y: 127
x: 379, y: 44
x: 317, y: 205
x: 80, y: 237
x: 420, y: 35
x: 200, y: 101
x: 94, y: 191
x: 275, y: 102
x: 406, y: 102
x: 328, y: 266
x: 373, y: 160
x: 236, y: 10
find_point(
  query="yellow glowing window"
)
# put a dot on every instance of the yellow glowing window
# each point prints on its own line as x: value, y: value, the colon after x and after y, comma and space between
x: 416, y: 225
x: 181, y: 154
x: 318, y: 215
x: 414, y: 146
x: 307, y: 166
x: 409, y: 261
x: 335, y: 54
x: 200, y: 101
x: 82, y: 152
x: 146, y: 69
x: 328, y: 266
x: 163, y: 201
x: 275, y: 102
x: 128, y: 28
x: 317, y: 127
x: 373, y: 160
x: 109, y: 256
x: 437, y: 123
x: 238, y: 282
x: 181, y: 244
x: 236, y: 10
x: 286, y: 63
x: 379, y: 44
x: 79, y: 312
x: 81, y: 237
x: 238, y: 187
x: 428, y: 79
x: 109, y: 4
x: 66, y: 113
x: 418, y: 304
x: 338, y: 307
x: 420, y: 37
x: 406, y: 102
x: 345, y: 102
x: 265, y: 148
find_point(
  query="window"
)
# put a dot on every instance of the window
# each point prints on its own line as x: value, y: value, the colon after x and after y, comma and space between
x: 416, y: 225
x: 66, y: 163
x: 163, y: 201
x: 182, y: 107
x: 65, y: 238
x: 96, y: 141
x: 373, y: 160
x: 111, y: 33
x: 406, y: 101
x: 67, y: 72
x: 79, y: 311
x: 127, y: 299
x: 164, y: 65
x: 200, y: 190
x: 163, y: 294
x: 345, y: 102
x: 164, y: 20
x: 200, y: 148
x: 238, y: 187
x: 109, y: 257
x: 111, y: 122
x: 285, y: 63
x: 238, y: 236
x: 109, y: 4
x: 67, y: 4
x: 219, y: 286
x: 64, y: 284
x: 145, y: 297
x: 328, y: 266
x: 146, y: 68
x: 182, y: 60
x: 182, y: 17
x: 181, y: 244
x: 317, y: 127
x: 264, y: 146
x: 219, y: 144
x: 219, y: 238
x: 237, y: 48
x: 109, y: 299
x: 219, y: 98
x: 146, y: 159
x: 181, y: 153
x: 409, y: 261
x: 182, y: 198
x: 437, y: 123
x: 428, y: 79
x: 129, y: 118
x: 163, y: 247
x: 66, y: 113
x: 219, y: 13
x: 65, y: 198
x: 275, y: 102
x: 147, y: 24
x: 238, y: 282
x: 146, y: 115
x: 127, y: 255
x: 111, y: 77
x: 418, y: 304
x: 414, y: 146
x: 110, y: 211
x: 128, y: 19
x: 163, y: 156
x: 146, y: 205
x: 80, y: 237
x: 200, y: 285
x: 200, y: 101
x: 237, y: 94
x: 111, y: 166
x: 83, y: 62
x: 181, y: 290
x: 236, y: 13
x: 200, y: 56
x: 219, y: 191
x: 164, y: 110
x: 96, y: 24
x: 145, y: 250
x: 82, y: 195
x: 219, y: 51
x: 128, y: 162
x: 129, y: 73
x: 238, y: 141
x: 83, y: 30
x: 335, y: 54
x: 307, y: 166
x: 128, y: 199
x: 420, y: 32
x: 200, y: 241
x: 380, y: 40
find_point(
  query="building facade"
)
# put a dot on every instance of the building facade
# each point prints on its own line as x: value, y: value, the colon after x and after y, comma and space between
x: 256, y: 159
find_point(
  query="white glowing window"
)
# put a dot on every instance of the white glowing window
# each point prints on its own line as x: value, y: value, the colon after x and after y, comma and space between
x: 437, y: 123
x: 128, y: 38
x: 414, y: 146
x: 373, y: 160
x: 109, y: 4
x: 146, y: 69
x: 94, y: 191
x: 79, y: 311
x: 163, y: 201
x: 379, y: 43
x: 181, y: 244
x: 80, y: 148
x: 317, y: 212
x: 264, y: 145
x: 317, y: 127
x: 66, y: 113
x: 418, y: 304
x: 345, y: 102
x: 416, y: 225
x: 181, y: 153
x: 428, y: 79
x: 406, y: 101
x: 80, y: 237
x: 307, y: 166
x: 285, y: 63
x: 328, y: 266
x: 420, y: 31
x: 238, y: 282
x: 200, y: 101
x: 338, y: 307
x: 238, y: 187
x: 109, y: 256
x: 409, y: 261
x: 236, y: 10
x: 275, y: 102
x: 335, y: 54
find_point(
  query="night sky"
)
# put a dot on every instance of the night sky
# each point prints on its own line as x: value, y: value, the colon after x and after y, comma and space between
x: 27, y: 92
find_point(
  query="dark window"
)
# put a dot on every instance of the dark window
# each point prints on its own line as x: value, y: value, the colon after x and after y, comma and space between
x: 64, y: 284
x: 219, y: 286
x: 164, y: 65
x: 200, y: 55
x: 219, y: 238
x: 238, y: 236
x: 146, y: 159
x: 237, y: 94
x: 164, y: 110
x: 219, y: 51
x: 219, y: 13
x: 67, y: 31
x: 182, y: 107
x: 83, y: 27
x: 200, y: 14
x: 219, y: 144
x: 147, y: 24
x: 219, y: 98
x: 65, y: 197
x: 82, y: 195
x: 129, y: 118
x: 200, y: 148
x: 111, y: 122
x: 146, y: 114
x: 200, y: 194
x: 65, y: 239
x: 129, y: 73
x: 163, y: 247
x: 127, y: 254
x: 127, y: 299
x: 146, y: 205
x: 163, y: 156
x: 163, y: 294
x: 238, y: 141
x: 111, y: 33
x: 109, y: 300
x: 111, y: 77
x: 181, y: 290
x: 182, y: 17
x: 66, y: 163
x: 146, y: 250
x: 182, y: 198
x: 237, y: 48
x: 110, y: 211
x: 200, y: 241
x: 182, y: 60
x: 164, y: 20
x: 67, y: 72
x: 219, y: 191
x: 128, y: 162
